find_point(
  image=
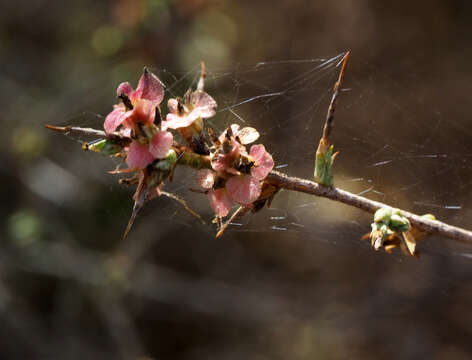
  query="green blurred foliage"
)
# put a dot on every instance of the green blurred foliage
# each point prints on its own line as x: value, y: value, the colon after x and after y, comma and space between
x: 24, y: 228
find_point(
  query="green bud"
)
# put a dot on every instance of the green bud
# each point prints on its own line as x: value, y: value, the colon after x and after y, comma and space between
x: 323, y: 163
x: 168, y: 163
x: 399, y: 223
x: 103, y: 146
x: 193, y: 160
x: 429, y: 216
x: 383, y: 215
x: 396, y: 211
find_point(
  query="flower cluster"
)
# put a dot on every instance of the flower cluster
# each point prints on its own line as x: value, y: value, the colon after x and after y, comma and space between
x: 136, y: 115
x: 236, y: 176
x: 229, y: 173
x: 233, y: 174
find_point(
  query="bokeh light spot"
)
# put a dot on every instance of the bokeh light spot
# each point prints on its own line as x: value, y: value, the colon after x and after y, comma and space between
x: 107, y: 40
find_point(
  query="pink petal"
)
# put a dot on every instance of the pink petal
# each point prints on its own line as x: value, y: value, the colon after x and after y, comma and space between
x: 138, y: 156
x: 149, y: 88
x: 264, y: 162
x: 124, y: 88
x: 193, y: 115
x: 200, y: 112
x: 160, y: 144
x: 247, y: 135
x: 205, y: 178
x: 203, y: 103
x: 144, y: 112
x: 115, y: 118
x: 220, y: 202
x: 174, y: 121
x: 243, y: 189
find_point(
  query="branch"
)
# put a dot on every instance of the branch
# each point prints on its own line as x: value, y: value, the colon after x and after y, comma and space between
x: 74, y: 130
x: 328, y: 126
x: 325, y: 154
x: 184, y: 204
x: 283, y: 181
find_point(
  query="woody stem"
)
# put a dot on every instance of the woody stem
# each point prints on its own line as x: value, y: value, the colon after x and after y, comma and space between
x: 282, y: 181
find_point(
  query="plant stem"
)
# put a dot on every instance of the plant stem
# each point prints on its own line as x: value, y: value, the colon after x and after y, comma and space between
x: 328, y: 126
x: 282, y: 181
x: 74, y: 130
x: 309, y: 187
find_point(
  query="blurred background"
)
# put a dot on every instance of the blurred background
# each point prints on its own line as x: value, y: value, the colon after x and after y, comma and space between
x: 291, y: 282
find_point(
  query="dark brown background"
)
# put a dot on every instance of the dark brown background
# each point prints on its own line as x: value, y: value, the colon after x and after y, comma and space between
x: 70, y: 288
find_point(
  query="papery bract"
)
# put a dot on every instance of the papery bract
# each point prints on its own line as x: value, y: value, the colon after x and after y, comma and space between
x: 223, y: 162
x: 149, y: 88
x: 243, y: 189
x: 143, y: 113
x: 234, y: 129
x: 203, y: 104
x: 245, y: 136
x: 199, y: 105
x: 263, y: 162
x: 205, y: 178
x: 140, y: 155
x: 160, y: 144
x: 144, y: 100
x: 116, y: 118
x: 220, y: 201
x: 124, y: 88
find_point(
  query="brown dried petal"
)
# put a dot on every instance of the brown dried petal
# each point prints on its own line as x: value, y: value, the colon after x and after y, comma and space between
x: 247, y: 135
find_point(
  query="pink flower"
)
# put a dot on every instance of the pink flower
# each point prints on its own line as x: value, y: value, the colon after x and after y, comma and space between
x: 141, y: 155
x: 232, y: 150
x: 138, y: 106
x: 197, y: 104
x: 220, y: 200
x: 231, y: 156
x: 225, y: 160
x: 241, y: 189
x: 241, y: 173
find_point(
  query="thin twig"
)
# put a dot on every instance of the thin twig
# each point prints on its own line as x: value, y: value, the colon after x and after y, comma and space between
x: 328, y: 126
x: 184, y: 204
x: 74, y: 130
x: 225, y: 225
x: 309, y: 187
x: 283, y: 181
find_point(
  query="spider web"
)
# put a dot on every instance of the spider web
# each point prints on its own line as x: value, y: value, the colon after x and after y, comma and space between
x: 392, y: 148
